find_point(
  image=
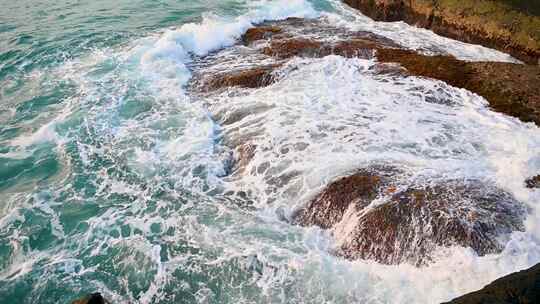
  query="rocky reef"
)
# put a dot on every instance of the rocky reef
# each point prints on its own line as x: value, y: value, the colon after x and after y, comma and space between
x: 520, y: 288
x: 378, y: 213
x: 509, y: 26
x: 509, y: 88
x: 383, y: 212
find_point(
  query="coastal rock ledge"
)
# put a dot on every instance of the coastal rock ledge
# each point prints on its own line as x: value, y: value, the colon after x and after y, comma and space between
x: 512, y: 27
x: 517, y: 288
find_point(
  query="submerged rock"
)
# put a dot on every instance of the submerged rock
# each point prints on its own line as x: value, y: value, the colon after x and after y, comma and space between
x: 498, y: 24
x: 376, y: 214
x: 94, y: 298
x: 520, y: 288
x: 533, y: 182
x: 512, y: 89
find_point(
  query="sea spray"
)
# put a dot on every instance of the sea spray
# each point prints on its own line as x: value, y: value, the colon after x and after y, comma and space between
x: 142, y: 204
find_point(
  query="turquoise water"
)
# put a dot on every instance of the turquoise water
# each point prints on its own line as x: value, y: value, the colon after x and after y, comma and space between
x: 79, y: 212
x: 115, y: 178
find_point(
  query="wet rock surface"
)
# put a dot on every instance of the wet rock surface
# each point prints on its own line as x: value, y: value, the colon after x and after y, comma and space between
x: 509, y: 88
x: 522, y: 287
x: 496, y: 24
x: 359, y: 190
x: 375, y: 214
x: 266, y: 48
x: 260, y: 33
x: 255, y: 77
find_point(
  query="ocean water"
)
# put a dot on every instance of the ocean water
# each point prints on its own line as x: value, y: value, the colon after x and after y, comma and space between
x: 115, y: 177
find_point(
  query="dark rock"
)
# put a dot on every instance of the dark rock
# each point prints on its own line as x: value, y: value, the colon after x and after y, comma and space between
x: 409, y: 222
x: 533, y: 182
x: 328, y: 208
x: 517, y: 288
x: 94, y: 298
x: 303, y: 47
x: 512, y: 89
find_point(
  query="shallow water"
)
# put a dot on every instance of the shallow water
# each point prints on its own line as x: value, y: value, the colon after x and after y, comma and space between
x: 116, y: 178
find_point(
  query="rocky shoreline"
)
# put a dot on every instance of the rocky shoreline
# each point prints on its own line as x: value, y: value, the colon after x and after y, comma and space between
x: 415, y: 219
x: 509, y: 88
x: 496, y: 24
x: 412, y: 219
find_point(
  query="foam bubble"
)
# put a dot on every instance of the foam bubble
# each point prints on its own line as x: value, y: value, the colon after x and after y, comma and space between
x: 156, y: 220
x: 327, y: 117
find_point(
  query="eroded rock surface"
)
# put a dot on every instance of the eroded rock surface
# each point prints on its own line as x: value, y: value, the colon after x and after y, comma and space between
x: 260, y: 33
x: 376, y: 214
x: 277, y: 43
x: 255, y: 77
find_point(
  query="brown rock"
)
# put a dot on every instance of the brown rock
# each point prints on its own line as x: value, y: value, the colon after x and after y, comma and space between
x: 409, y: 224
x: 512, y: 89
x: 288, y: 48
x: 249, y: 78
x: 496, y: 24
x: 302, y: 47
x: 328, y: 208
x: 260, y: 33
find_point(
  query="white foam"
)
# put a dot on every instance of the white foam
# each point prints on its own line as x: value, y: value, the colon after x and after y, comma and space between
x: 325, y: 118
x: 329, y: 116
x: 45, y: 133
x: 164, y: 59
